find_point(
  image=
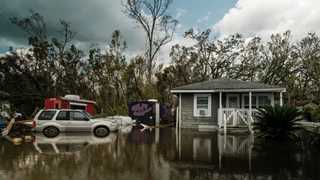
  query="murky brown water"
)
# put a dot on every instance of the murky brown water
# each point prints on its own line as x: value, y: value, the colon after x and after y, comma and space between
x: 158, y: 155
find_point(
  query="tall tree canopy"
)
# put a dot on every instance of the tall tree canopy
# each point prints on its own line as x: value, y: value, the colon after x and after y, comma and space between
x: 159, y: 27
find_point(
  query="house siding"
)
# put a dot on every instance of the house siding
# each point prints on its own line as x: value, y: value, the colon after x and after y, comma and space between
x: 187, y: 118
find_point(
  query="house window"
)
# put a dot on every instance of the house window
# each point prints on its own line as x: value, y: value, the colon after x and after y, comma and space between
x: 246, y: 102
x: 258, y: 100
x: 264, y: 101
x: 202, y: 105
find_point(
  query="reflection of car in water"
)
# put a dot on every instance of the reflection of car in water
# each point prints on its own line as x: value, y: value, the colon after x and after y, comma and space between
x: 52, y: 122
x: 68, y: 143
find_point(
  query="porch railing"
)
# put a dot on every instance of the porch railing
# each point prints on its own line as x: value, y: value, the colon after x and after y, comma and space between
x: 234, y: 117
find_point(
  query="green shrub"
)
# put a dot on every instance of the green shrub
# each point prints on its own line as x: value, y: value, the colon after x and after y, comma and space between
x: 278, y: 122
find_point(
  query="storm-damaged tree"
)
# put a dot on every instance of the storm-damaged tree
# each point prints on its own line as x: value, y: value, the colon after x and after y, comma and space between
x: 106, y: 71
x: 70, y: 76
x: 31, y: 68
x: 55, y: 56
x: 67, y: 60
x: 50, y: 67
x: 37, y: 62
x: 210, y: 58
x: 213, y: 57
x: 308, y: 53
x: 158, y: 26
x: 248, y: 60
x: 280, y: 65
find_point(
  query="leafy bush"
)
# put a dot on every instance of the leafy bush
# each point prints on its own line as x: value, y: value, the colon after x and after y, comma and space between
x: 278, y: 122
x: 312, y: 112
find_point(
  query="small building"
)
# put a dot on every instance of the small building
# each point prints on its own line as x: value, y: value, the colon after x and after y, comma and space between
x: 70, y: 102
x: 223, y: 102
x: 149, y: 112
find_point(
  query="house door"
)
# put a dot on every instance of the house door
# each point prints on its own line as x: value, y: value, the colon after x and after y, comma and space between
x: 233, y: 101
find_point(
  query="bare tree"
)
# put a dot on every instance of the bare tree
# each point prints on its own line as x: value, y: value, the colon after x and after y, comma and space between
x: 159, y: 27
x: 34, y: 26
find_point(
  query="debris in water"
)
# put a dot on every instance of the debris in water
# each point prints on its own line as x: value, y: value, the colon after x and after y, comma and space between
x: 17, y: 141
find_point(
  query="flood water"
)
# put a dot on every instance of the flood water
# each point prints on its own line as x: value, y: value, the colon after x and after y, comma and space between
x: 156, y: 155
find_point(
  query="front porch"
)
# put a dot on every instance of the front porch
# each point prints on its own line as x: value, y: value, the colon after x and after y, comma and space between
x: 236, y: 110
x: 234, y: 117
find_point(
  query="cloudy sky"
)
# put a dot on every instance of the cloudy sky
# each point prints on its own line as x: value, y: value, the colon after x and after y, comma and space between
x: 95, y: 20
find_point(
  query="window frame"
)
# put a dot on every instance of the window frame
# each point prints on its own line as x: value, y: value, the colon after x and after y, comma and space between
x: 232, y: 95
x: 257, y: 104
x: 195, y: 105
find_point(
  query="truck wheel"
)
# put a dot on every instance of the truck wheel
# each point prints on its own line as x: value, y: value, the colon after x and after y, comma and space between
x: 51, y: 131
x: 101, y: 131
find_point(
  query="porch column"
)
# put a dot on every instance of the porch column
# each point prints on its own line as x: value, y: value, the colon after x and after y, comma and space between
x: 179, y: 111
x: 281, y: 99
x: 250, y: 103
x: 250, y: 111
x: 220, y: 99
x: 220, y: 110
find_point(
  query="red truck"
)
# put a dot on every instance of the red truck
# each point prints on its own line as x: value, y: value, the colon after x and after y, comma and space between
x: 70, y: 102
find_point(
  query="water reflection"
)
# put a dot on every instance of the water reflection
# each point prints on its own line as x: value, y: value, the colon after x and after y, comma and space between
x: 208, y: 155
x: 68, y: 143
x: 156, y: 154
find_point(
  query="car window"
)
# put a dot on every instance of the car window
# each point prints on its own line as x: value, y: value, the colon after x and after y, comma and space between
x: 46, y: 115
x: 88, y: 115
x: 78, y: 116
x: 63, y: 115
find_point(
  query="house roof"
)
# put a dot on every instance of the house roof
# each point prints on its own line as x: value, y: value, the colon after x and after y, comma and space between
x: 227, y: 85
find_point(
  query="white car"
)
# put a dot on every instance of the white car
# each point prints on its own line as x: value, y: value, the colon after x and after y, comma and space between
x: 53, y: 121
x: 69, y: 143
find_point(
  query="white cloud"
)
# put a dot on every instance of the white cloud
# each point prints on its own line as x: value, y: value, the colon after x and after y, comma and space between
x: 264, y: 17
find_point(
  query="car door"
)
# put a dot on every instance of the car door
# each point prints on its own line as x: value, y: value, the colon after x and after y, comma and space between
x: 79, y: 121
x: 63, y: 119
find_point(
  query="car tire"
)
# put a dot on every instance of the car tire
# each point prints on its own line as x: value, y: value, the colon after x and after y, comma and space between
x: 51, y: 131
x: 101, y: 131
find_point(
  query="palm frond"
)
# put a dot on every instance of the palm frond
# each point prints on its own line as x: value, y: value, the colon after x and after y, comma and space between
x: 278, y: 122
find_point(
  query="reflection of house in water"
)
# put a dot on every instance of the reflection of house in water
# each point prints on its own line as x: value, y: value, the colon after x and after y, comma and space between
x: 238, y: 145
x: 213, y: 154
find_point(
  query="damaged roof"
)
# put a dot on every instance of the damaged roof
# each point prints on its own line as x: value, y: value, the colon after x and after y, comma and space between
x: 226, y: 85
